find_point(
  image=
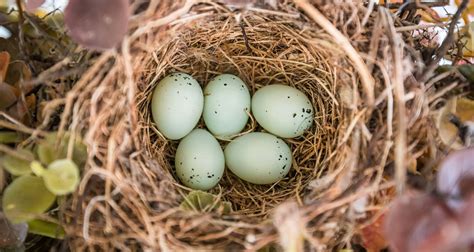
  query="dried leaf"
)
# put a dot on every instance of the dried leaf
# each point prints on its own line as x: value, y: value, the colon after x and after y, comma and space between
x: 11, y: 235
x: 454, y: 172
x: 373, y: 238
x: 420, y: 222
x: 4, y: 62
x: 97, y: 24
x: 8, y: 95
x: 466, y: 218
x: 462, y: 108
x: 468, y: 40
x: 18, y: 73
x: 431, y: 16
x: 199, y: 200
x: 32, y: 5
x: 21, y: 111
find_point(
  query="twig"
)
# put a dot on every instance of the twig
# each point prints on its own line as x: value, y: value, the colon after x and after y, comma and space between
x: 447, y: 42
x: 245, y: 38
x: 12, y: 152
x: 18, y: 127
x: 21, y: 20
x: 417, y: 27
x: 399, y: 93
x: 370, y: 9
x: 163, y: 21
x: 366, y: 78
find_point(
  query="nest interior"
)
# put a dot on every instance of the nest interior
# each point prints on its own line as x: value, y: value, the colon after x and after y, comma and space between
x: 272, y: 51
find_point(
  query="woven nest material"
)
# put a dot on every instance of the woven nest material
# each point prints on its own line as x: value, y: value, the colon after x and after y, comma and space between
x: 129, y: 198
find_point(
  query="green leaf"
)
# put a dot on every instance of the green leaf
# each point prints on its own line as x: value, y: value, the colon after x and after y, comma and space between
x: 444, y: 68
x: 8, y: 137
x: 199, y: 200
x: 26, y: 198
x: 16, y: 166
x: 61, y: 177
x: 468, y: 72
x: 46, y: 228
x: 51, y: 148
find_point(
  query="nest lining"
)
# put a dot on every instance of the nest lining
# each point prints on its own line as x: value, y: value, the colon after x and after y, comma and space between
x: 279, y: 53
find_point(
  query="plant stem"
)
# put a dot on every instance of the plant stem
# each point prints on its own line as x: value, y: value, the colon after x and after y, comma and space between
x: 37, y: 168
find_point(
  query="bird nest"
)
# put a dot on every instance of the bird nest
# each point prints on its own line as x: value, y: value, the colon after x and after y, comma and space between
x: 130, y: 198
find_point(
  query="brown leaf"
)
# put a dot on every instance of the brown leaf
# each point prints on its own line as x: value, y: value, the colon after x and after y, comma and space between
x: 466, y: 219
x: 373, y: 238
x: 8, y: 95
x: 11, y: 235
x: 32, y: 5
x: 4, y: 62
x: 455, y: 177
x: 97, y: 24
x: 431, y: 16
x: 21, y: 110
x: 422, y: 223
x: 18, y: 73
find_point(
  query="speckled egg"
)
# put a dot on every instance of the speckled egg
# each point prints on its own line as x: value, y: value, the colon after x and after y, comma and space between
x: 226, y: 105
x: 177, y: 105
x: 258, y: 158
x: 282, y: 110
x: 199, y: 160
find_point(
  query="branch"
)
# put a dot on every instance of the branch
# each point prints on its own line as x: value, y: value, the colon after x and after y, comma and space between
x: 447, y: 42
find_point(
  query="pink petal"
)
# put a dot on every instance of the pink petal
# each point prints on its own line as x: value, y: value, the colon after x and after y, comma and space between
x: 32, y: 5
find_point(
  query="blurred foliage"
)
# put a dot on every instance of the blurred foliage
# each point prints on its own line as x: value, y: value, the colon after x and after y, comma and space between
x: 32, y: 194
x: 54, y: 147
x: 203, y: 201
x: 9, y: 137
x: 17, y: 166
x: 26, y: 198
x: 35, y: 45
x: 61, y: 177
x: 46, y: 228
